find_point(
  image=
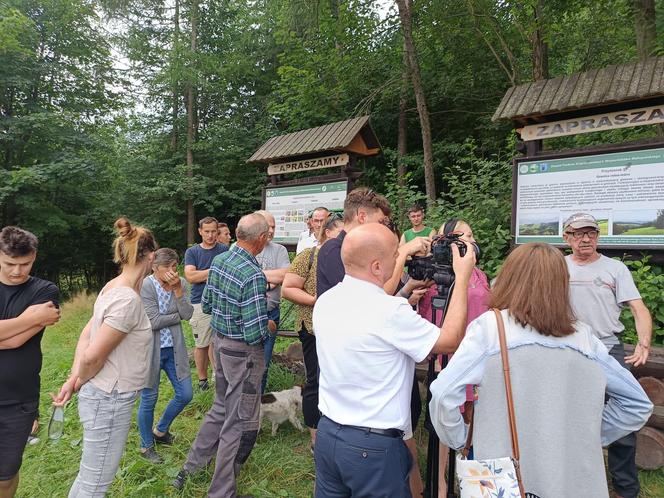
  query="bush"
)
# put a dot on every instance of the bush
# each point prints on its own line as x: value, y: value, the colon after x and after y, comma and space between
x: 649, y: 279
x: 477, y: 190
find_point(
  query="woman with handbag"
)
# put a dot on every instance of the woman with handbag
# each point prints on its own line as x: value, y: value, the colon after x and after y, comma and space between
x: 166, y: 304
x: 299, y: 287
x: 542, y: 377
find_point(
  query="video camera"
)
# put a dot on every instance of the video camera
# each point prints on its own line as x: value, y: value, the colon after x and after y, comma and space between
x: 438, y: 266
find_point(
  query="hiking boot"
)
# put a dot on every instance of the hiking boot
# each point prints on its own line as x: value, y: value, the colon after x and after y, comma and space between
x: 167, y: 439
x: 180, y: 479
x: 203, y: 385
x: 152, y: 456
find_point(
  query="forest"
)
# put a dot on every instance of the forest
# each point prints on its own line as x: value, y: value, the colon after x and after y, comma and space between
x: 151, y: 108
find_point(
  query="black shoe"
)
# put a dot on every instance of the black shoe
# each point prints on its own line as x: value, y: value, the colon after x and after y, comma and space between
x: 203, y: 385
x: 166, y: 439
x: 152, y: 456
x: 180, y: 479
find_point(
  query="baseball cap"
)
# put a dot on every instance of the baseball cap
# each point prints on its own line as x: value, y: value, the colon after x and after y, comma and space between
x: 580, y: 220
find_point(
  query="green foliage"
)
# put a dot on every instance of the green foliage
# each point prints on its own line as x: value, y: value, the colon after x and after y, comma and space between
x: 649, y: 279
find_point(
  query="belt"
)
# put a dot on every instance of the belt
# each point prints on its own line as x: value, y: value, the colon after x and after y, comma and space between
x: 381, y: 432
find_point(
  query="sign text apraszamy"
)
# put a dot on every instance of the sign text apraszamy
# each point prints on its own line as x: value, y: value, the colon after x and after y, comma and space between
x: 308, y: 164
x: 599, y: 122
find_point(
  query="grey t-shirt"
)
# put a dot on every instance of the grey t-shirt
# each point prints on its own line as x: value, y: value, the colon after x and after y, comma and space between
x: 273, y: 257
x: 599, y: 291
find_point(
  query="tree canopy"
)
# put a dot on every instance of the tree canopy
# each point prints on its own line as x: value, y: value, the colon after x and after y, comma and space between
x: 150, y: 109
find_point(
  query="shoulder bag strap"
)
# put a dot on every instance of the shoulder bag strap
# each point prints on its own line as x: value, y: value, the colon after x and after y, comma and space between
x: 508, y: 395
x: 312, y: 253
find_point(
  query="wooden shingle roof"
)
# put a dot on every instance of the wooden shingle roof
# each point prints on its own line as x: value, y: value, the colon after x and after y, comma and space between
x: 596, y: 88
x: 352, y: 135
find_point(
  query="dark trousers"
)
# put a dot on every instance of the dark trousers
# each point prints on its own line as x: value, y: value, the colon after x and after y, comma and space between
x: 230, y: 428
x: 15, y: 425
x: 310, y: 391
x: 622, y: 453
x: 359, y: 464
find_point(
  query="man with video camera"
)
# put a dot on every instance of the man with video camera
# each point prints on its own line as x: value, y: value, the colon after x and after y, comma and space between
x: 368, y: 342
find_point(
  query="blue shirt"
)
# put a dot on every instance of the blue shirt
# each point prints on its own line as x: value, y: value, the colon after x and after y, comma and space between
x: 163, y: 301
x: 202, y: 260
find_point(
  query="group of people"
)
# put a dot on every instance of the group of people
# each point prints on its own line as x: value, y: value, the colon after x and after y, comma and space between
x: 363, y: 324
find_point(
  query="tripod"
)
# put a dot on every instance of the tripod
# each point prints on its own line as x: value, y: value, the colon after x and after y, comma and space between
x: 445, y: 283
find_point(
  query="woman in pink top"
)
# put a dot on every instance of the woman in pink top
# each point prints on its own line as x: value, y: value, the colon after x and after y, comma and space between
x: 478, y: 296
x: 111, y: 363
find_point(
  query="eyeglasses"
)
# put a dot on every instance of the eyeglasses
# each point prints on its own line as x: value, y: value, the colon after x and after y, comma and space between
x: 580, y: 234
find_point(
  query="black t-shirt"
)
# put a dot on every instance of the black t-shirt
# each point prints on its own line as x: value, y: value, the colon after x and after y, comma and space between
x: 20, y: 367
x: 330, y: 269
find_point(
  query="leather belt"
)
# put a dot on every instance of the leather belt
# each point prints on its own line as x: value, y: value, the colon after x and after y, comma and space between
x: 381, y: 432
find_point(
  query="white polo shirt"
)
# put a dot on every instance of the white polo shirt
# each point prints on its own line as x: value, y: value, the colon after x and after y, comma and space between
x: 368, y: 343
x: 305, y: 241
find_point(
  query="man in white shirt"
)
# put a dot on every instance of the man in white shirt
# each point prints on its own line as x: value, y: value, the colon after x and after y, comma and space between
x: 368, y: 343
x: 309, y: 238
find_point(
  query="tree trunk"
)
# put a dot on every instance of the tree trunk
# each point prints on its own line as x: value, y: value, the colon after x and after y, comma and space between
x: 644, y: 27
x: 191, y: 122
x: 402, y: 133
x: 540, y: 48
x: 174, y: 79
x: 416, y: 79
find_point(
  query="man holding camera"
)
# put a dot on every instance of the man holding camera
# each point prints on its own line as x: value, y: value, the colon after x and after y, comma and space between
x: 367, y: 356
x: 600, y: 288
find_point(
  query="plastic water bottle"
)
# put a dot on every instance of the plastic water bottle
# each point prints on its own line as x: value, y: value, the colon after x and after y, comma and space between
x: 57, y: 423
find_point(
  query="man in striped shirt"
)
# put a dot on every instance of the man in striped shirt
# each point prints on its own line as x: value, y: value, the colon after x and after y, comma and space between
x: 235, y: 297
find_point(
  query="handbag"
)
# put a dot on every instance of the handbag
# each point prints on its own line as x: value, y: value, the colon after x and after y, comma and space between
x: 497, y: 476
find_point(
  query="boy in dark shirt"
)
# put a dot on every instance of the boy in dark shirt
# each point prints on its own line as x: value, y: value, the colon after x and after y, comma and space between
x: 27, y: 305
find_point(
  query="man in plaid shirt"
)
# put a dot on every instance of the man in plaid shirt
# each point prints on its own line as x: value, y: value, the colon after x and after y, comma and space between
x: 235, y: 297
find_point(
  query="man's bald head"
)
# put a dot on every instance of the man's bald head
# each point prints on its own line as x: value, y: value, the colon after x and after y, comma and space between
x: 250, y: 227
x: 370, y: 251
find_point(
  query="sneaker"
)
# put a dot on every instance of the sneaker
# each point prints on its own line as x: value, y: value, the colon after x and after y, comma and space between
x: 167, y: 439
x: 180, y: 479
x: 152, y: 456
x: 203, y: 385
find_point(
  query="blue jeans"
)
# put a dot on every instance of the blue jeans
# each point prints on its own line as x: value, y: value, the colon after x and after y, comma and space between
x: 268, y: 345
x: 183, y: 395
x: 106, y: 419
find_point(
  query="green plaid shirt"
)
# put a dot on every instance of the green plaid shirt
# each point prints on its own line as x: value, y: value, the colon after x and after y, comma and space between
x: 235, y: 296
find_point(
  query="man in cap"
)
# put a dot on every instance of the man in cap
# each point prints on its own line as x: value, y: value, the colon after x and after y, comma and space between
x: 600, y: 287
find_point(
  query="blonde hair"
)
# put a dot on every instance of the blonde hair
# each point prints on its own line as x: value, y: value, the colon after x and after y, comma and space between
x: 132, y: 243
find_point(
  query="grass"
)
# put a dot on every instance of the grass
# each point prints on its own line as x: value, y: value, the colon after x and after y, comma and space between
x: 279, y: 466
x: 644, y: 231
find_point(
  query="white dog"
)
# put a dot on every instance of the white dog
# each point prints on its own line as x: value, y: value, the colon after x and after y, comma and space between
x: 280, y: 406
